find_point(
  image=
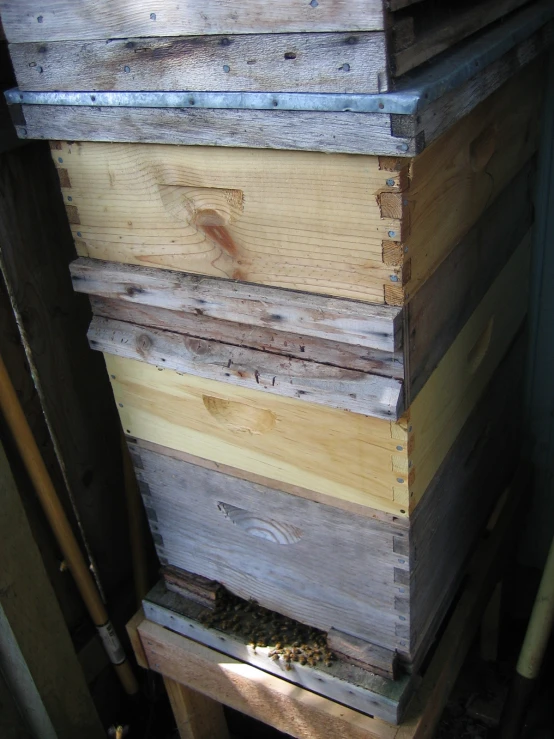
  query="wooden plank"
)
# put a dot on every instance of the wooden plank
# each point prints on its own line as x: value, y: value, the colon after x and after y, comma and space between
x: 438, y: 28
x: 46, y: 678
x: 197, y: 716
x: 335, y: 387
x: 36, y: 248
x: 369, y: 656
x: 295, y: 441
x: 134, y: 638
x: 342, y: 682
x: 457, y: 177
x: 445, y: 402
x: 361, y: 324
x: 302, y: 221
x: 270, y: 699
x: 285, y: 343
x: 269, y: 546
x: 25, y: 21
x: 351, y: 133
x: 438, y: 311
x: 312, y: 62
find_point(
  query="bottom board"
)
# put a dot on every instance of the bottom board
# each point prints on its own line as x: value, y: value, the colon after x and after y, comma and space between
x: 342, y: 682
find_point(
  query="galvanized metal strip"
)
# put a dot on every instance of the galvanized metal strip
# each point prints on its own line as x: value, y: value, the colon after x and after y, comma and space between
x: 416, y: 91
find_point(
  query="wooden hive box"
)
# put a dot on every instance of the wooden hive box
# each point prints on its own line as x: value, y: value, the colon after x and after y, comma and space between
x: 362, y: 46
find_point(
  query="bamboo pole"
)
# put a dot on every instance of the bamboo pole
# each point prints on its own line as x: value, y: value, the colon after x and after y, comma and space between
x: 531, y: 654
x: 34, y: 464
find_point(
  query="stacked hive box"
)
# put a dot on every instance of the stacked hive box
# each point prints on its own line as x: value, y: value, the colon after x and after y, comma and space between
x: 316, y: 356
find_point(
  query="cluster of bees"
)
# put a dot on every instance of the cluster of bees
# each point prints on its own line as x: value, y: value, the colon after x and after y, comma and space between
x: 288, y: 640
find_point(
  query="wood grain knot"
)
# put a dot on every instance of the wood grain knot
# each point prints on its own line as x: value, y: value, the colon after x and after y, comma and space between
x: 239, y: 416
x: 263, y: 528
x: 202, y: 206
x: 144, y: 344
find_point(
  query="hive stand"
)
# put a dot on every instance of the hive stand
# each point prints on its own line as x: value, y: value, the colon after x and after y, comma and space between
x: 219, y: 679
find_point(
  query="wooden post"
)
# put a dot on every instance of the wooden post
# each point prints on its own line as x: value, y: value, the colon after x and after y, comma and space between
x: 197, y: 716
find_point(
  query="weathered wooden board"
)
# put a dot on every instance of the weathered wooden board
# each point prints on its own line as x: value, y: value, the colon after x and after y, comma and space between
x: 455, y: 179
x: 296, y: 220
x: 24, y: 20
x: 285, y: 343
x: 35, y: 250
x: 436, y: 27
x: 313, y: 62
x: 351, y: 649
x: 361, y: 324
x: 343, y: 132
x: 270, y: 546
x: 341, y: 682
x: 335, y: 387
x: 319, y: 448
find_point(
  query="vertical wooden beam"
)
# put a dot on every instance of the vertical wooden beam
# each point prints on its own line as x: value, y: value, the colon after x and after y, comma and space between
x: 37, y: 655
x: 36, y: 247
x: 197, y: 716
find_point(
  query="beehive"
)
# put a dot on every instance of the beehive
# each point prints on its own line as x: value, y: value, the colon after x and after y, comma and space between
x: 312, y: 314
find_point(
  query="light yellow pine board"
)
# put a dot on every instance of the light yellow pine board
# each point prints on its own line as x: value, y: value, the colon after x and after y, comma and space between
x: 341, y: 454
x: 299, y: 220
x: 455, y: 179
x: 287, y: 707
x: 444, y: 404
